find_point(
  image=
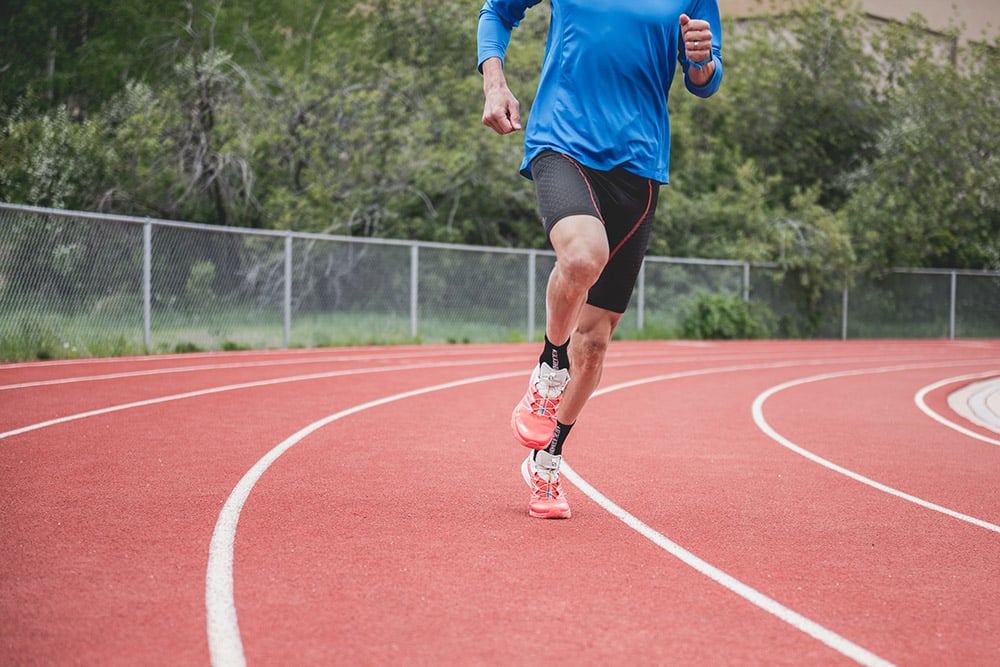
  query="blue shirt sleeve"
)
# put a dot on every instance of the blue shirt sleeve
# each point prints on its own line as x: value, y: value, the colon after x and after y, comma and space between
x: 497, y: 19
x: 706, y: 11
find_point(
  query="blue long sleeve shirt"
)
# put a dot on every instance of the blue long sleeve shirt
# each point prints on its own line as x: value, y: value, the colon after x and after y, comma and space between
x: 605, y: 79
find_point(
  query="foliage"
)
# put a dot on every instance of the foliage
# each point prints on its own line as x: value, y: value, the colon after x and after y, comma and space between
x: 831, y: 144
x: 52, y: 160
x: 715, y: 316
x: 804, y: 101
x: 931, y: 194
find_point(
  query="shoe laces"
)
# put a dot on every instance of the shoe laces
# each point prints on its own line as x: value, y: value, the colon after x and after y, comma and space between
x: 548, y: 389
x: 545, y: 484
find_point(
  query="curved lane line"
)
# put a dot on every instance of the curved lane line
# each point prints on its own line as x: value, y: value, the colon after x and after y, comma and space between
x: 763, y: 425
x: 222, y: 622
x: 263, y: 383
x: 235, y: 387
x: 317, y: 376
x: 927, y: 410
x: 365, y: 357
x: 224, y: 642
x: 215, y: 367
x: 752, y: 595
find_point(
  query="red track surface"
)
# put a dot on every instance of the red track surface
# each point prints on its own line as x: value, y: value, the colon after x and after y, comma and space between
x: 381, y: 518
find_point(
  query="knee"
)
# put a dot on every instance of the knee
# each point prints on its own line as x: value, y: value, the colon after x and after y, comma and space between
x: 581, y: 268
x: 589, y: 349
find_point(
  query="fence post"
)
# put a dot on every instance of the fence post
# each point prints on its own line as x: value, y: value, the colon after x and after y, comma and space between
x: 641, y: 310
x: 414, y: 292
x: 288, y: 290
x: 843, y: 316
x: 147, y: 284
x: 951, y: 306
x: 531, y: 294
x: 746, y: 281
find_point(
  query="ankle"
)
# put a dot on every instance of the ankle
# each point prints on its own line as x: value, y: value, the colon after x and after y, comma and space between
x: 556, y: 356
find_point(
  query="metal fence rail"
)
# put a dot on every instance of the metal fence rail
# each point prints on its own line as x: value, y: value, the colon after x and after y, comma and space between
x: 73, y: 278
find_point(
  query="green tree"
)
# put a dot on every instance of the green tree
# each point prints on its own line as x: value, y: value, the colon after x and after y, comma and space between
x: 53, y: 160
x: 931, y: 195
x: 76, y: 54
x: 184, y: 149
x: 803, y: 97
x: 381, y: 136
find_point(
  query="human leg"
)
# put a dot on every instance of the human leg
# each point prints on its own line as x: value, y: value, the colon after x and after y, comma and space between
x: 581, y: 247
x: 589, y: 344
x: 581, y: 251
x: 597, y: 261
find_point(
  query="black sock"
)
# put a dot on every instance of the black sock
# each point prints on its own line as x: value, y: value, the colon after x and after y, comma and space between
x: 556, y: 356
x: 558, y: 438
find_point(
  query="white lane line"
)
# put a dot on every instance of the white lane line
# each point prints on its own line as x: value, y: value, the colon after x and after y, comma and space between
x: 971, y: 402
x: 260, y: 364
x: 263, y: 383
x: 225, y: 366
x: 234, y: 387
x: 303, y: 353
x: 763, y: 425
x: 224, y: 642
x: 359, y: 357
x: 751, y: 595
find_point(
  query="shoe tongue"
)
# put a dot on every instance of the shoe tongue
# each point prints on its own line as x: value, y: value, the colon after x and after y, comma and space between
x: 546, y: 463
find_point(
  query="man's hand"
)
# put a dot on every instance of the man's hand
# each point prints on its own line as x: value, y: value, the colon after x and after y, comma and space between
x: 697, y: 37
x: 502, y: 111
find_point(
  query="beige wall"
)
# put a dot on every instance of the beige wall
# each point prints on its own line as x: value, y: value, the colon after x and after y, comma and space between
x: 978, y: 17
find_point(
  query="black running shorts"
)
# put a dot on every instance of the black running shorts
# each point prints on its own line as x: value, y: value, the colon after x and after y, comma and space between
x: 622, y: 201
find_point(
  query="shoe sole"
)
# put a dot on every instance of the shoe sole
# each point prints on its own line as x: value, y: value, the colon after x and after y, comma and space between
x: 520, y: 439
x: 549, y: 515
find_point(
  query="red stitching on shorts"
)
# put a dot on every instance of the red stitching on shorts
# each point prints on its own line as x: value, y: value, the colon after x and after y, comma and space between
x: 649, y: 202
x: 590, y: 191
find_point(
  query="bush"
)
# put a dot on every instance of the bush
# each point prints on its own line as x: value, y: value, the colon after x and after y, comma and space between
x: 714, y: 316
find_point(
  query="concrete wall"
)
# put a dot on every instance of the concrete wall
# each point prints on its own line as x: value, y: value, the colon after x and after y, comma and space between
x: 979, y: 19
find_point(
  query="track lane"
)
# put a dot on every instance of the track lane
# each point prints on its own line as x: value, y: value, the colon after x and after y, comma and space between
x: 449, y: 579
x: 875, y: 432
x: 692, y: 630
x: 133, y: 493
x: 872, y: 570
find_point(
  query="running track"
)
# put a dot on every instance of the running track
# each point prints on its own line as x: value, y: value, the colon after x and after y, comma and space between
x: 802, y: 503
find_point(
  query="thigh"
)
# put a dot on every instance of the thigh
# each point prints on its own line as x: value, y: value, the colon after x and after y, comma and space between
x: 596, y: 324
x: 562, y: 189
x: 629, y: 204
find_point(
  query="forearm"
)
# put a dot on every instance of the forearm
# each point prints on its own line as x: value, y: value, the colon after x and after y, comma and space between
x: 493, y: 76
x: 501, y: 110
x: 701, y: 77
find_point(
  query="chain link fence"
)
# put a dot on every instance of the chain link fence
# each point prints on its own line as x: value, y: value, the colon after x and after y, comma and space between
x: 83, y: 284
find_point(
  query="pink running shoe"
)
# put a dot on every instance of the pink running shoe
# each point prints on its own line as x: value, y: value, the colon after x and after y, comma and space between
x: 534, y: 418
x: 547, y: 499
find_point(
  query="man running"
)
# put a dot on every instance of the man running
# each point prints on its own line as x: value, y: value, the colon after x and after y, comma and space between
x: 597, y: 146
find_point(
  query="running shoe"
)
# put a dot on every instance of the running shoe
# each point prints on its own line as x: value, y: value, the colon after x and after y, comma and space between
x: 547, y: 499
x: 534, y: 418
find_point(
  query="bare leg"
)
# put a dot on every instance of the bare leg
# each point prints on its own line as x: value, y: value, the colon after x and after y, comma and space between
x: 581, y: 246
x: 587, y: 348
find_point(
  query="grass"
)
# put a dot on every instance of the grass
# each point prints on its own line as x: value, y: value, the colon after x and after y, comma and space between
x: 35, y: 336
x: 53, y: 336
